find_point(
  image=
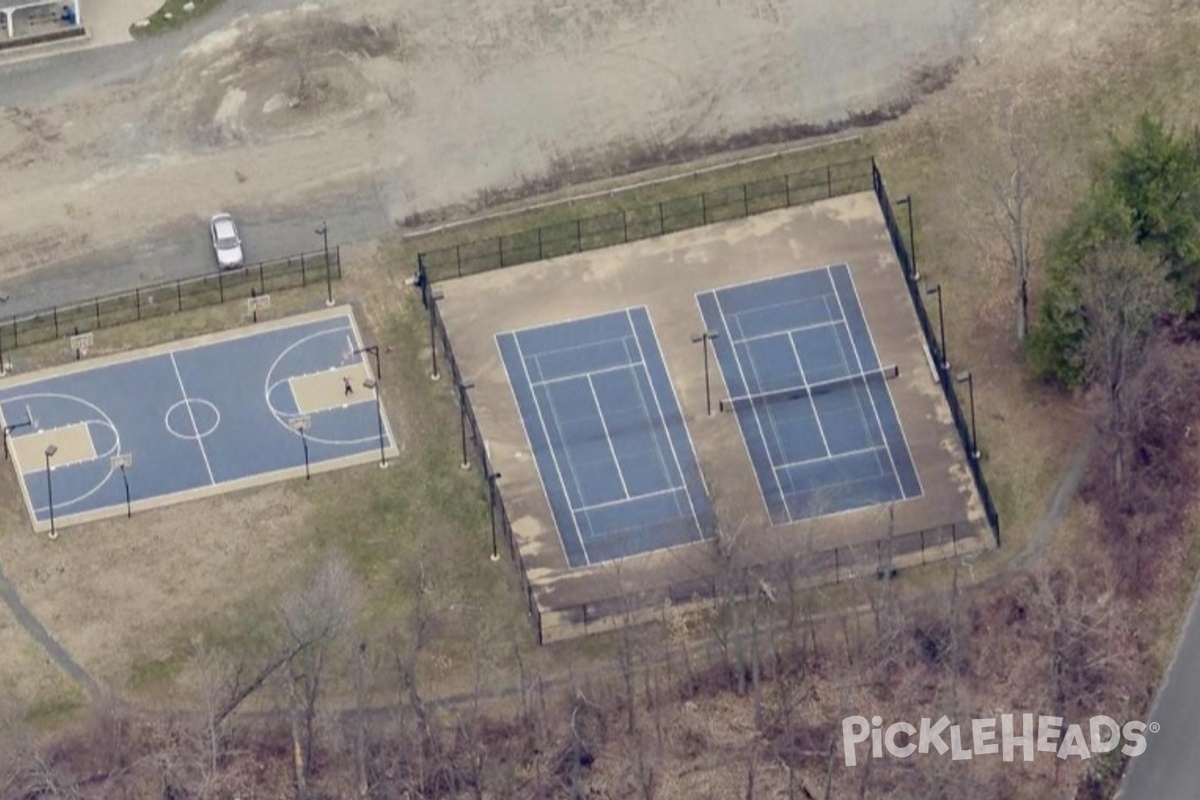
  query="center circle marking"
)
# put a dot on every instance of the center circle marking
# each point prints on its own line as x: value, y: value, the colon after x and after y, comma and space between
x: 192, y: 418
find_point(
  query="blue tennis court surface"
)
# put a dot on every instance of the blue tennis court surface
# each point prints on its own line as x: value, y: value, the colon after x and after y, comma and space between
x: 605, y: 428
x: 202, y: 417
x: 834, y: 445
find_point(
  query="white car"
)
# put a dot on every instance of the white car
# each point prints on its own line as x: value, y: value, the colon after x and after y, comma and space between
x: 226, y: 242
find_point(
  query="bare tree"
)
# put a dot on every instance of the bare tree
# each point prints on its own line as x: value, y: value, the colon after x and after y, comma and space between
x: 1012, y: 191
x: 312, y: 619
x: 1122, y: 291
x: 205, y: 734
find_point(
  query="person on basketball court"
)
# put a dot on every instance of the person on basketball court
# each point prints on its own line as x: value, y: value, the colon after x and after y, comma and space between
x: 349, y: 387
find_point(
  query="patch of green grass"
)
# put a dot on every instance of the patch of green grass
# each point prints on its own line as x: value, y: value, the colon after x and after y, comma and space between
x: 55, y: 711
x: 154, y: 672
x: 171, y: 16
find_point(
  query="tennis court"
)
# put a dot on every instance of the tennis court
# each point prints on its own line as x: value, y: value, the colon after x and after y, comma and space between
x: 613, y: 453
x: 809, y: 393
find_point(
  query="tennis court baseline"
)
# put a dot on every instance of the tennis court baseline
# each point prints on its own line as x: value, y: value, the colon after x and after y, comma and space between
x: 612, y: 450
x: 810, y: 395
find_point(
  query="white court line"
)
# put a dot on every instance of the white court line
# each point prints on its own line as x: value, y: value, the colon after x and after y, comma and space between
x: 579, y: 375
x: 563, y: 322
x: 608, y: 438
x: 658, y: 493
x: 886, y: 385
x: 812, y: 401
x: 663, y: 419
x: 195, y: 427
x: 773, y: 423
x: 789, y: 331
x: 871, y: 397
x: 553, y: 416
x: 724, y: 323
x: 791, y: 274
x: 550, y: 445
x: 658, y: 451
x: 807, y: 461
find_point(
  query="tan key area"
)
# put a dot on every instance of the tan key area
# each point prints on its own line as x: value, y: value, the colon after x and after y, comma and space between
x: 322, y: 391
x: 74, y: 443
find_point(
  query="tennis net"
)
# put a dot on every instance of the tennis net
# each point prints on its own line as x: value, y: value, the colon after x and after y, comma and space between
x: 802, y: 392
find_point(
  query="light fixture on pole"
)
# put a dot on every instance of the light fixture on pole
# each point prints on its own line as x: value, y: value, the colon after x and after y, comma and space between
x: 373, y: 384
x: 462, y: 419
x: 50, y: 451
x: 703, y: 339
x: 906, y: 201
x: 965, y: 377
x: 937, y: 289
x: 323, y: 232
x: 491, y: 479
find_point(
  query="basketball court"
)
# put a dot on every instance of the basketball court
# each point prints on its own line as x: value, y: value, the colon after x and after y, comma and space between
x: 196, y: 418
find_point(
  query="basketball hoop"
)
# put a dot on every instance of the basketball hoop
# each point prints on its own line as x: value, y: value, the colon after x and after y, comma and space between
x: 256, y: 303
x: 80, y: 343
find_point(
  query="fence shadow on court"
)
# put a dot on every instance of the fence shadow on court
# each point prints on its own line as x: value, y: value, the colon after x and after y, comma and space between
x: 159, y: 299
x: 879, y: 558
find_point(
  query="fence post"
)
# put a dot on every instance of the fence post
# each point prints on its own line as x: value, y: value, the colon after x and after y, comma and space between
x: 829, y: 179
x: 500, y: 249
x: 14, y: 344
x: 539, y: 243
x: 458, y: 258
x: 97, y: 312
x: 262, y: 283
x: 221, y: 286
x: 625, y: 224
x: 787, y: 190
x: 56, y: 334
x: 837, y: 570
x: 578, y: 236
x: 179, y: 294
x: 662, y: 220
x: 745, y: 200
x: 137, y: 301
x: 303, y: 274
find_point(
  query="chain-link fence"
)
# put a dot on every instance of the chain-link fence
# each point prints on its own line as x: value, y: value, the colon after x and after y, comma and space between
x: 168, y: 297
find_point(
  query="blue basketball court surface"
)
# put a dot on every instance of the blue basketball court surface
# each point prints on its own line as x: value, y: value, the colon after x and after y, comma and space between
x: 194, y: 418
x: 612, y: 450
x: 810, y: 395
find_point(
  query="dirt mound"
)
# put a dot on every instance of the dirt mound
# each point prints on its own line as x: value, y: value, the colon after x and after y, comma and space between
x: 278, y: 74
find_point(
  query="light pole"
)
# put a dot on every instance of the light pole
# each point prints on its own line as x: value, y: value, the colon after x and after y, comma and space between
x: 492, y: 478
x: 937, y: 289
x: 50, y: 451
x: 371, y: 383
x: 702, y: 339
x: 433, y: 298
x: 906, y: 201
x: 462, y: 419
x: 323, y: 232
x: 300, y: 425
x: 965, y: 377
